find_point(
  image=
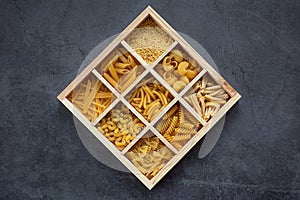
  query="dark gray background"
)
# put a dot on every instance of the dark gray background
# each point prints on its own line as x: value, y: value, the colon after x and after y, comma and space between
x: 256, y: 47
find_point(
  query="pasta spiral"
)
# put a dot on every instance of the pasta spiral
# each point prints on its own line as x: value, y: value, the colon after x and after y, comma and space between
x: 178, y: 126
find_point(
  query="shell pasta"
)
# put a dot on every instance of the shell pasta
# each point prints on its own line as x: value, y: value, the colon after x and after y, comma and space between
x: 120, y: 126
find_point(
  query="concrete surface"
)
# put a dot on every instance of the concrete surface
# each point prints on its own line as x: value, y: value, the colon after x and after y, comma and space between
x: 254, y: 43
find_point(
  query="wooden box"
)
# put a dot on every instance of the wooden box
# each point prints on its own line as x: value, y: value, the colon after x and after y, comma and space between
x: 149, y: 100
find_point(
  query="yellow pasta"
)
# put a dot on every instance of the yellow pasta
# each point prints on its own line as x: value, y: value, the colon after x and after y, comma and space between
x: 111, y: 125
x: 142, y: 98
x: 191, y: 73
x: 168, y: 137
x: 122, y: 58
x: 86, y: 97
x: 167, y: 61
x: 149, y: 155
x: 147, y: 89
x: 166, y: 125
x: 182, y: 68
x: 178, y: 70
x: 161, y: 97
x: 122, y: 65
x: 113, y: 72
x: 110, y: 80
x: 129, y: 78
x: 177, y: 55
x: 131, y: 61
x: 177, y: 145
x: 178, y: 127
x: 171, y: 112
x: 122, y: 70
x: 149, y: 98
x: 172, y: 126
x: 186, y: 125
x: 120, y: 126
x: 208, y: 95
x: 181, y: 116
x: 181, y: 137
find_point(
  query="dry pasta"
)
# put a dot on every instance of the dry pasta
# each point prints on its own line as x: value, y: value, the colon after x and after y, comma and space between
x: 178, y: 126
x: 149, y: 40
x: 121, y: 70
x: 149, y: 98
x: 120, y: 126
x: 149, y: 155
x: 177, y: 70
x: 207, y: 97
x: 91, y: 97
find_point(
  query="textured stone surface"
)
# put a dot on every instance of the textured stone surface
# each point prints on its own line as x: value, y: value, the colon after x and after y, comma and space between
x: 254, y: 43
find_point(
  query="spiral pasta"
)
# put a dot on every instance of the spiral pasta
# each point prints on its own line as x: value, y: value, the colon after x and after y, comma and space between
x: 190, y: 118
x: 178, y: 126
x: 172, y: 126
x: 165, y: 125
x: 171, y: 112
x: 181, y: 137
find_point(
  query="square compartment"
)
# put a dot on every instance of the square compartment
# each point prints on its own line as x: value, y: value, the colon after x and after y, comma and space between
x: 91, y: 97
x: 206, y: 97
x: 120, y: 68
x: 178, y: 126
x: 149, y: 155
x: 178, y: 69
x: 120, y: 126
x: 149, y: 40
x: 149, y: 97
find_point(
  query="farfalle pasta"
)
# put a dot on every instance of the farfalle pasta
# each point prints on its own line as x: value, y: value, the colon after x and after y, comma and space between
x: 149, y: 155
